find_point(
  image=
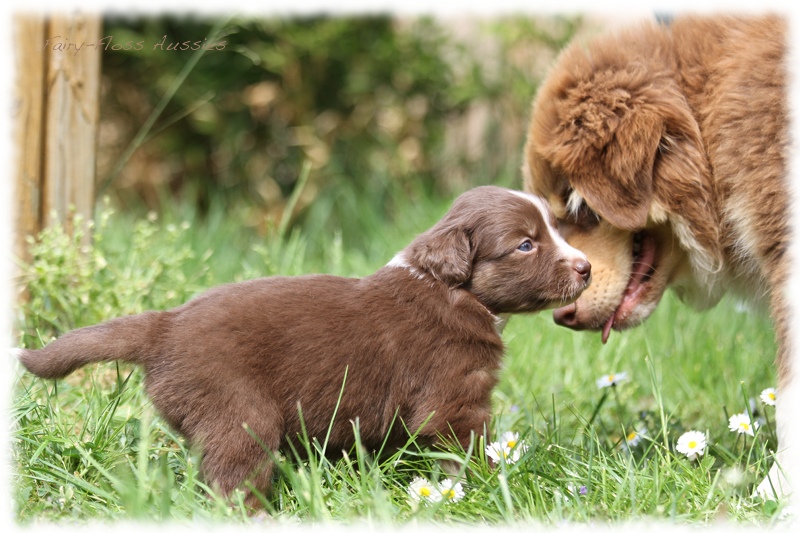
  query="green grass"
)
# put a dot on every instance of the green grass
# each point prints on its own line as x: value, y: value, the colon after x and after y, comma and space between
x: 92, y: 447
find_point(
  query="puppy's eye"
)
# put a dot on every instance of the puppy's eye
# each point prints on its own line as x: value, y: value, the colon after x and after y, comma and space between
x: 526, y: 246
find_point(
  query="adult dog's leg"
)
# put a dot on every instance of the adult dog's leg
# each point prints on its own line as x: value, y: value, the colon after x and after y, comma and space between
x: 777, y: 482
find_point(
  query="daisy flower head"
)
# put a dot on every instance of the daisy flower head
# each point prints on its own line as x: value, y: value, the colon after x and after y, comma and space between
x: 740, y: 423
x: 691, y: 444
x: 635, y: 437
x: 422, y: 490
x: 611, y: 380
x: 451, y: 492
x: 509, y: 448
x: 509, y: 439
x: 768, y: 396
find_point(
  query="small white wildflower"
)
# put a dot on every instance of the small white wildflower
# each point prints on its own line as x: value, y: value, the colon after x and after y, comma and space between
x: 422, y: 490
x: 635, y: 437
x: 509, y: 448
x: 740, y: 423
x: 509, y: 439
x: 768, y: 396
x: 691, y: 444
x: 610, y: 380
x: 451, y: 492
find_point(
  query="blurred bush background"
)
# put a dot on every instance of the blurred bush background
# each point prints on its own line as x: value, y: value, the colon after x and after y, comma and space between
x: 379, y: 106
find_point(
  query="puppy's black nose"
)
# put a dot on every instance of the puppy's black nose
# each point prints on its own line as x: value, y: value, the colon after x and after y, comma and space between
x: 584, y: 269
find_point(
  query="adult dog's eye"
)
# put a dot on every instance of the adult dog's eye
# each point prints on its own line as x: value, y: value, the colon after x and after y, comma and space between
x: 584, y: 216
x: 526, y: 246
x: 578, y: 213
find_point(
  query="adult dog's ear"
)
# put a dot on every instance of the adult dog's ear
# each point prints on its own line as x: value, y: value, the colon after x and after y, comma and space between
x: 445, y: 252
x: 606, y: 143
x: 682, y: 178
x: 626, y: 161
x: 631, y: 147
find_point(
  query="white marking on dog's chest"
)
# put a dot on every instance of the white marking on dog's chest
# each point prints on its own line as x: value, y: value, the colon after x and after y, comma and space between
x: 399, y: 261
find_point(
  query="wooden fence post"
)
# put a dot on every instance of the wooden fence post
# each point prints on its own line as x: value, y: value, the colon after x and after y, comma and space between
x: 56, y: 115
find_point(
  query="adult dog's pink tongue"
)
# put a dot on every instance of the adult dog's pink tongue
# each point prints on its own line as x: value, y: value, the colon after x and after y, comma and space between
x: 641, y: 267
x: 607, y: 327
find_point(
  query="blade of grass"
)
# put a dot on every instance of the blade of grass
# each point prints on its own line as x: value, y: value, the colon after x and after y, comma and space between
x: 288, y: 210
x: 140, y: 136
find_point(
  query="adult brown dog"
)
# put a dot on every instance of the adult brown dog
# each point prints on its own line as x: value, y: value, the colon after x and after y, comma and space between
x: 663, y: 152
x: 418, y: 341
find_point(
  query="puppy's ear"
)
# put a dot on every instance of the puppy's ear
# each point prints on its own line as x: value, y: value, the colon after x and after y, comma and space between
x: 444, y: 252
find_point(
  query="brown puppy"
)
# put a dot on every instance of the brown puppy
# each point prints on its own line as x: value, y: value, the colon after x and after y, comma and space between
x: 662, y: 150
x: 418, y: 340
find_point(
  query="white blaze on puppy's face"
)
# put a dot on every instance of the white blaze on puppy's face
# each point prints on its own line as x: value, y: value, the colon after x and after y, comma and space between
x: 547, y: 215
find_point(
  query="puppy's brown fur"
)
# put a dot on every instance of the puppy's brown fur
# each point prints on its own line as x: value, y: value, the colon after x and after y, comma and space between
x: 418, y: 339
x: 662, y: 151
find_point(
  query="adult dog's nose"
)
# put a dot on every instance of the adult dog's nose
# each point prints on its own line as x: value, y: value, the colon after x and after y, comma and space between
x: 567, y: 316
x: 583, y: 268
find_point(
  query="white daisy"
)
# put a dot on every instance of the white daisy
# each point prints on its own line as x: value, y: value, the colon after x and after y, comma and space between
x: 509, y: 448
x: 422, y: 490
x: 509, y: 439
x: 635, y: 437
x: 691, y: 444
x: 451, y: 492
x: 768, y: 396
x: 610, y: 380
x: 741, y: 424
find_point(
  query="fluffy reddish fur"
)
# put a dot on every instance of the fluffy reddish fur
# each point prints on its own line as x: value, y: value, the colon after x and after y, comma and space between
x: 676, y: 134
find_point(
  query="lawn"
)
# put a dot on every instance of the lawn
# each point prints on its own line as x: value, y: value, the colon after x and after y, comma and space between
x: 92, y: 447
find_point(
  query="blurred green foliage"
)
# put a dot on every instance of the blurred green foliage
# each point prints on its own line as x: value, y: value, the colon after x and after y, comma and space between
x: 379, y: 106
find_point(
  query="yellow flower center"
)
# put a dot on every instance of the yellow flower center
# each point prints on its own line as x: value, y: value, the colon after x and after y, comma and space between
x: 744, y: 425
x: 611, y: 378
x: 512, y: 443
x: 692, y: 444
x: 424, y: 492
x: 771, y: 396
x: 449, y: 494
x: 631, y: 436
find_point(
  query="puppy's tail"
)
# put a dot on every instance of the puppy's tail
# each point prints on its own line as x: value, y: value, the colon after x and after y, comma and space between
x: 130, y: 338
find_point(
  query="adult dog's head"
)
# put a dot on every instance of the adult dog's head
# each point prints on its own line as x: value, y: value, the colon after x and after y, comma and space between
x: 616, y: 151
